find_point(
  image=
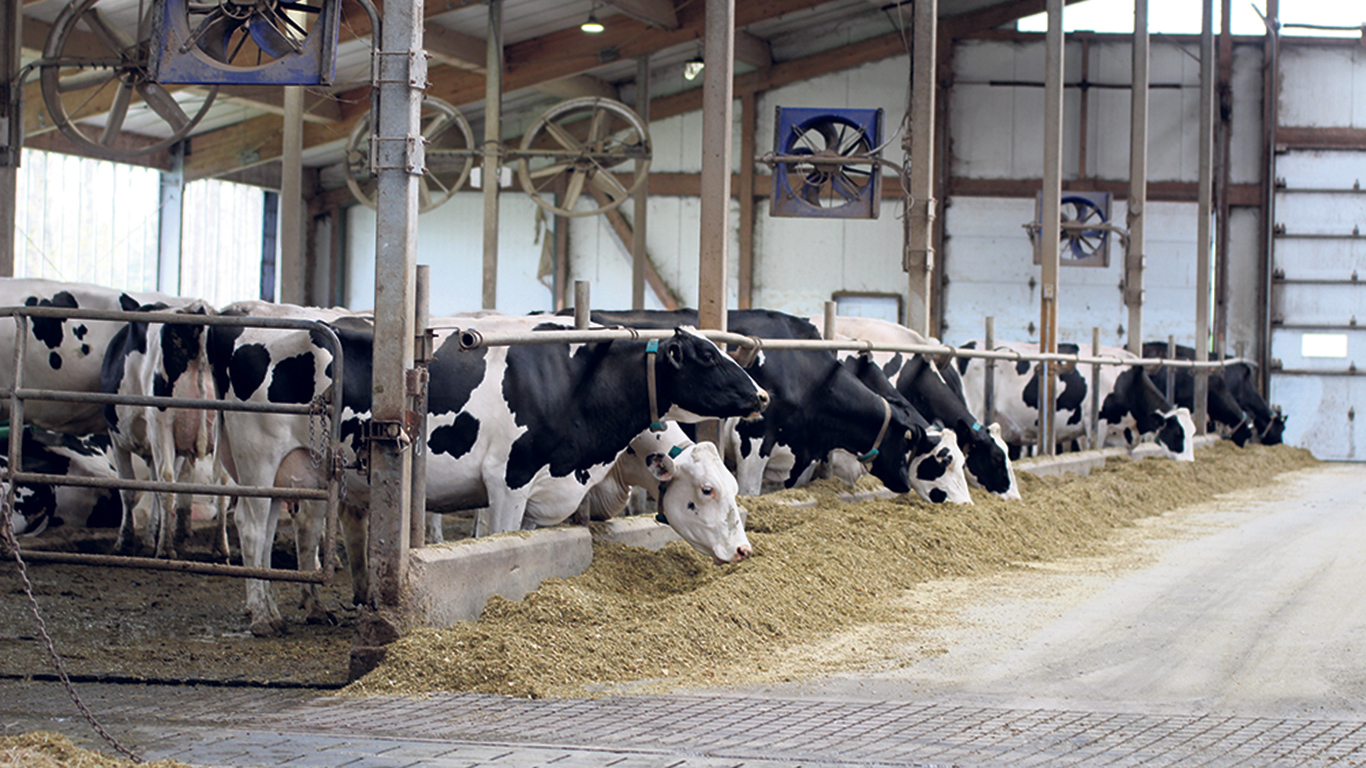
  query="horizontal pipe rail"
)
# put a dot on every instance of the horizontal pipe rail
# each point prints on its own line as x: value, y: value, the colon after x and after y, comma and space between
x: 171, y: 318
x: 1318, y: 372
x: 182, y: 566
x: 203, y: 489
x: 472, y: 339
x: 63, y: 396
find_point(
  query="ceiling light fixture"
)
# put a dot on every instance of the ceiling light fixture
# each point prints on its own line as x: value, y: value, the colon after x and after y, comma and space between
x: 693, y: 67
x: 591, y: 25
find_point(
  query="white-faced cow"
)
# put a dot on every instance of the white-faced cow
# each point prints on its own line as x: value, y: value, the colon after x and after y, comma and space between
x: 920, y: 381
x: 64, y: 354
x: 1131, y: 406
x: 1220, y: 404
x: 694, y: 491
x: 523, y: 430
x: 819, y: 406
x: 162, y: 360
x: 39, y: 507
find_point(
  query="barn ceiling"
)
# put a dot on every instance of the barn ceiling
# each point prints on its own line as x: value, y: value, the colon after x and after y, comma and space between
x: 548, y: 59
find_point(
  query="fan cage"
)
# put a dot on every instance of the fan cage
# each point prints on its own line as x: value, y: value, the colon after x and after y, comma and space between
x: 176, y: 58
x: 859, y: 127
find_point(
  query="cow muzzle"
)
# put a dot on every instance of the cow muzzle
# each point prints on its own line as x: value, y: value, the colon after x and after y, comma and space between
x: 742, y: 552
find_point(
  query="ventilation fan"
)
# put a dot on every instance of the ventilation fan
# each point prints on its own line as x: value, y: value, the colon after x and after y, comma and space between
x: 1085, y: 237
x: 246, y: 42
x: 826, y: 163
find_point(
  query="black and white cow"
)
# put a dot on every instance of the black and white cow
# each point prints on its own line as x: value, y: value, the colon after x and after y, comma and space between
x: 162, y: 360
x: 920, y: 381
x: 39, y: 506
x: 1220, y: 404
x: 1270, y: 422
x: 523, y: 430
x: 1131, y: 406
x: 819, y: 406
x: 64, y: 354
x: 690, y: 483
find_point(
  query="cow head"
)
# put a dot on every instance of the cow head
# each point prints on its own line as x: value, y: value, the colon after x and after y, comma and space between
x: 936, y: 472
x: 1176, y: 433
x: 699, y: 381
x: 1275, y: 428
x: 1243, y: 432
x: 699, y: 502
x: 987, y: 463
x: 35, y: 507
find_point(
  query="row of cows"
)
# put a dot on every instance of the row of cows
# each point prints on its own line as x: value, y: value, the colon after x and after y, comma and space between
x: 534, y: 433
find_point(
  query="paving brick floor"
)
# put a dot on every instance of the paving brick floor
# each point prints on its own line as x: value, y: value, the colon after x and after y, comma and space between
x: 272, y: 728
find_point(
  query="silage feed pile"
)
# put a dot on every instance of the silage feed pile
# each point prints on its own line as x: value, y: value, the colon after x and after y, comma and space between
x: 645, y: 620
x: 43, y: 749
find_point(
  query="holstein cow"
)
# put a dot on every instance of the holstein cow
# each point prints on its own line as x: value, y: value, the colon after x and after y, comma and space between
x: 1220, y: 404
x: 523, y: 430
x: 694, y: 490
x: 819, y: 406
x: 40, y: 506
x: 64, y: 354
x: 1130, y: 405
x: 162, y: 360
x: 1270, y: 422
x: 920, y: 381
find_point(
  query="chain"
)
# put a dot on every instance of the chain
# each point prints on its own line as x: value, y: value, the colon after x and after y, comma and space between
x: 7, y: 528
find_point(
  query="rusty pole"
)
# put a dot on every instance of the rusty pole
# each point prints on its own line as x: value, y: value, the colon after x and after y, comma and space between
x: 714, y: 259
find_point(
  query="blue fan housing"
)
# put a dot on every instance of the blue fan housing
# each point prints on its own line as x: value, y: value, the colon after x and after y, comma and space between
x: 831, y: 191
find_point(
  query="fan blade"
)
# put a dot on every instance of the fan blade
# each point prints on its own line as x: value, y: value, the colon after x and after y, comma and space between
x: 564, y: 137
x: 118, y: 112
x: 574, y: 190
x: 608, y: 183
x: 845, y: 187
x: 831, y: 132
x: 86, y: 79
x: 115, y: 39
x: 272, y: 41
x: 214, y: 35
x: 554, y: 169
x: 811, y: 193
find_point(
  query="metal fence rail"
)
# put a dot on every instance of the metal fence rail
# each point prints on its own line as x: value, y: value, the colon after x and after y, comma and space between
x: 14, y: 474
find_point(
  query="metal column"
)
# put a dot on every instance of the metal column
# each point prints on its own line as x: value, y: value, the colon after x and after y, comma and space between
x: 1206, y: 209
x: 401, y: 76
x: 641, y: 199
x: 291, y: 275
x: 714, y: 258
x: 1050, y: 222
x: 493, y: 127
x: 1138, y: 179
x: 11, y: 130
x: 918, y: 259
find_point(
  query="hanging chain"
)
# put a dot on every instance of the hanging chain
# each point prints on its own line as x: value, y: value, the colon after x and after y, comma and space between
x: 7, y: 528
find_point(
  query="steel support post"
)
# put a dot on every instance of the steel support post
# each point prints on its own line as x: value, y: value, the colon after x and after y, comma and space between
x: 1051, y: 228
x: 422, y: 356
x: 1093, y: 423
x: 918, y: 259
x: 989, y: 380
x: 493, y: 128
x: 11, y: 129
x: 171, y: 212
x: 401, y: 76
x: 291, y: 273
x: 1206, y: 210
x: 714, y: 258
x: 1138, y: 178
x: 640, y: 201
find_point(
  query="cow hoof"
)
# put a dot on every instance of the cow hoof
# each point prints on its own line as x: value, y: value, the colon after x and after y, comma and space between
x: 127, y: 547
x: 323, y: 617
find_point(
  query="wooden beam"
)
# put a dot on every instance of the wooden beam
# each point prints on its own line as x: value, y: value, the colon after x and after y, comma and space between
x: 1288, y: 137
x: 752, y: 50
x: 656, y: 13
x: 318, y: 107
x: 575, y: 86
x: 622, y: 228
x: 457, y: 49
x: 56, y: 141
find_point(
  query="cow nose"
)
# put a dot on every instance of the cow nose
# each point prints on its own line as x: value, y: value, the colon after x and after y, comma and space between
x: 762, y: 397
x: 742, y: 552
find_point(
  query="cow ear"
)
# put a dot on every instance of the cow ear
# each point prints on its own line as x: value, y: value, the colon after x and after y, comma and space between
x: 674, y: 351
x: 661, y: 466
x: 128, y: 303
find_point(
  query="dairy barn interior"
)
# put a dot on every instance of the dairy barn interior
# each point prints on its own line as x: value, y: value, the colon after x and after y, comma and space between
x: 257, y: 170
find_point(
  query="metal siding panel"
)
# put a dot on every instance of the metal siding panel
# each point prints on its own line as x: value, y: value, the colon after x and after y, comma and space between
x: 1303, y: 259
x: 1321, y: 413
x: 1320, y: 213
x: 1287, y: 346
x: 1245, y: 144
x: 1321, y: 304
x: 1312, y: 92
x: 1321, y: 169
x: 983, y: 118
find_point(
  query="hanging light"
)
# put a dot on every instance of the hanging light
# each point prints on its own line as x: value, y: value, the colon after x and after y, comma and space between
x: 591, y: 25
x: 693, y: 67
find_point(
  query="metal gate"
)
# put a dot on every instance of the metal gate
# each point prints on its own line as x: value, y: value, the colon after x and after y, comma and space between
x: 332, y: 410
x: 1318, y: 300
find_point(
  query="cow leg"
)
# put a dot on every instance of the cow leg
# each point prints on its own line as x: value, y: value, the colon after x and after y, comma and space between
x: 507, y: 508
x: 256, y: 522
x: 749, y: 470
x: 309, y: 516
x: 127, y: 542
x: 220, y: 537
x: 435, y: 534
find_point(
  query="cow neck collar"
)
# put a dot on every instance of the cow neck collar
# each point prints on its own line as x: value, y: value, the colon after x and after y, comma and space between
x: 674, y: 453
x: 881, y: 433
x: 652, y: 349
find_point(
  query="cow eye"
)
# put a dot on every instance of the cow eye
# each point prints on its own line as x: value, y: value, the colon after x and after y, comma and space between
x: 707, y: 357
x: 707, y: 490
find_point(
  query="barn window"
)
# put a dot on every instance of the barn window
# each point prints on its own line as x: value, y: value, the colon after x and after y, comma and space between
x: 221, y: 242
x: 86, y: 221
x: 1323, y: 345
